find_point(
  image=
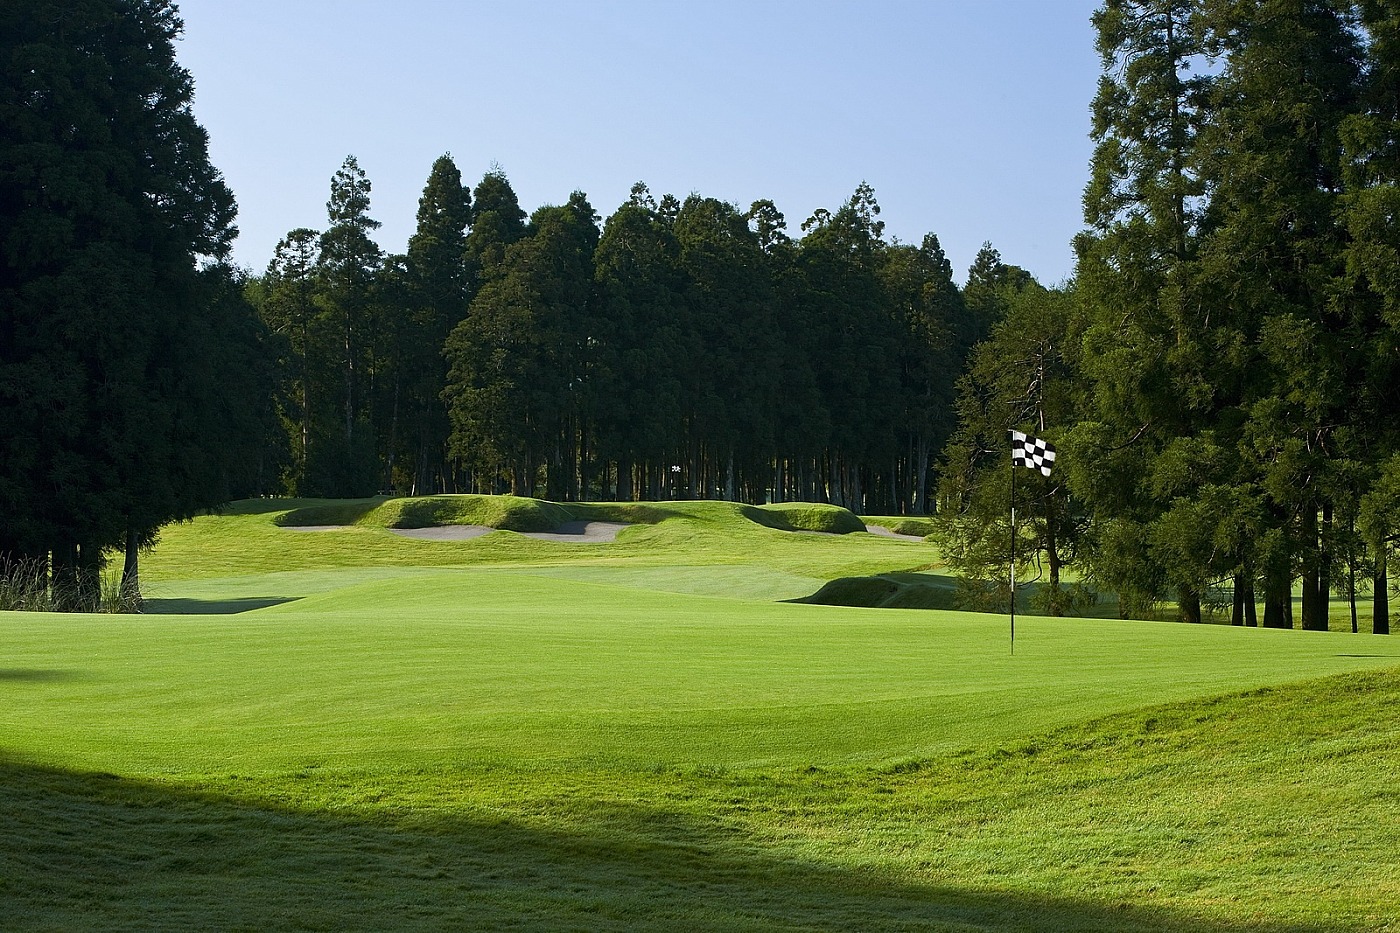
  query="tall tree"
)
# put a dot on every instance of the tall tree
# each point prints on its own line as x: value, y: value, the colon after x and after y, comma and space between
x: 840, y: 259
x: 1271, y: 262
x: 1148, y: 366
x: 640, y: 326
x: 108, y: 204
x: 514, y: 363
x: 440, y: 289
x: 1371, y: 292
x: 918, y: 284
x: 348, y: 264
x: 286, y: 302
x: 1021, y: 378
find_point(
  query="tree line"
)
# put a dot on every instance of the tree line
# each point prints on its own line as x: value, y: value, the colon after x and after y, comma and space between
x: 1222, y: 376
x: 680, y: 349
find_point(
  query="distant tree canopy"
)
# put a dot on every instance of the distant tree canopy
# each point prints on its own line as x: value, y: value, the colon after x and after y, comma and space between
x: 129, y: 363
x: 679, y: 349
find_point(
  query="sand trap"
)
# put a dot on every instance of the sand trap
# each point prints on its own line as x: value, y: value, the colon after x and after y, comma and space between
x: 444, y: 532
x: 884, y: 532
x: 568, y: 533
x: 580, y: 533
x: 314, y: 527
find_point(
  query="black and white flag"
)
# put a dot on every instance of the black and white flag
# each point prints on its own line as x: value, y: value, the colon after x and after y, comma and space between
x: 1031, y: 452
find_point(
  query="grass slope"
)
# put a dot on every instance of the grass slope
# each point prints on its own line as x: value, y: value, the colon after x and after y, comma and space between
x: 352, y: 730
x: 1245, y: 812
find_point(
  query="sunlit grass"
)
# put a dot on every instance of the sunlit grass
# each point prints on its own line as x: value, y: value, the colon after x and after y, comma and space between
x: 354, y: 730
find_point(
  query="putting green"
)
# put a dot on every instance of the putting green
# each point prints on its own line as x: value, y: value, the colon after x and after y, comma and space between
x: 511, y: 668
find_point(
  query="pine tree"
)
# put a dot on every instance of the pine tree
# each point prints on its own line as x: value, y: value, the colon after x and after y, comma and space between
x: 1149, y: 370
x: 108, y: 203
x: 1271, y: 262
x: 514, y: 363
x: 348, y: 264
x: 440, y: 289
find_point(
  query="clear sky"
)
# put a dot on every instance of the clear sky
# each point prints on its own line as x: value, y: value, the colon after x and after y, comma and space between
x: 970, y: 119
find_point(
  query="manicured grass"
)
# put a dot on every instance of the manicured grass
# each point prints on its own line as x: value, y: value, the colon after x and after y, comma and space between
x: 362, y: 731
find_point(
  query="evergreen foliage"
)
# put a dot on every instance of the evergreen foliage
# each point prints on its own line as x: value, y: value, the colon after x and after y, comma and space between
x: 130, y: 378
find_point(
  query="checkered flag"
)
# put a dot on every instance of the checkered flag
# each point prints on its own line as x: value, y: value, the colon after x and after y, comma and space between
x: 1032, y: 453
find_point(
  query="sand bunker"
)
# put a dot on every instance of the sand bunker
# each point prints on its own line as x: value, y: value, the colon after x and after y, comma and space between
x: 884, y: 532
x: 580, y: 533
x: 444, y: 532
x: 568, y: 533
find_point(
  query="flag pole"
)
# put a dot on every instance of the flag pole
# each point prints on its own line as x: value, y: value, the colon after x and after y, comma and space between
x: 1013, y: 554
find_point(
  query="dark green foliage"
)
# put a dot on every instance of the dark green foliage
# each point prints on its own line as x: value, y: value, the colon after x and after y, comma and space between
x: 440, y: 287
x: 1021, y: 378
x: 347, y: 271
x: 1238, y: 360
x: 128, y: 377
x: 512, y: 394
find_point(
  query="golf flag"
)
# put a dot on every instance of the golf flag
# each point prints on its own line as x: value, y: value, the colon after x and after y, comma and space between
x: 1032, y: 453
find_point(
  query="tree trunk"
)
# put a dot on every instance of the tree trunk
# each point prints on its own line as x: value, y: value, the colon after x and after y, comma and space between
x: 1323, y: 619
x: 393, y: 437
x: 1189, y: 602
x: 1312, y: 556
x: 624, y: 480
x: 1237, y: 607
x: 921, y: 477
x: 1276, y: 598
x: 131, y: 575
x: 1380, y: 595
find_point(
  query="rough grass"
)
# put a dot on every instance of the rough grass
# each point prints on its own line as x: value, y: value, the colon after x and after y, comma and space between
x: 352, y: 730
x: 806, y: 516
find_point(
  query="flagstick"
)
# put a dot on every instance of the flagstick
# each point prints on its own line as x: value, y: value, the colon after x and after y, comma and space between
x: 1013, y: 555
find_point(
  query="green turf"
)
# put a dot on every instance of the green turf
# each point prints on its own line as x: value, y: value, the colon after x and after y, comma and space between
x: 354, y: 730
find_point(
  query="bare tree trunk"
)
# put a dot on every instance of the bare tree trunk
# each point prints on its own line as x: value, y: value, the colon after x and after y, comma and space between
x: 131, y: 575
x: 1380, y: 595
x: 1189, y: 602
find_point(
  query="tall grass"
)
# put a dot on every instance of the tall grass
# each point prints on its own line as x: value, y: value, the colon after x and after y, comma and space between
x: 27, y: 586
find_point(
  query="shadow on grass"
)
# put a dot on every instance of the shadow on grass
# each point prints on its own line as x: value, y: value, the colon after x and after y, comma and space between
x: 97, y: 852
x: 213, y: 607
x: 35, y: 675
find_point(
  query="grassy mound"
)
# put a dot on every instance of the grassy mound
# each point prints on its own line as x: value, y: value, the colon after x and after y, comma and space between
x: 806, y: 516
x: 303, y: 512
x: 905, y: 591
x: 913, y: 526
x: 513, y: 513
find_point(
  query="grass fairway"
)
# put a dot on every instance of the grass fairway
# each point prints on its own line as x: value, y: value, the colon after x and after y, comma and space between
x: 355, y: 730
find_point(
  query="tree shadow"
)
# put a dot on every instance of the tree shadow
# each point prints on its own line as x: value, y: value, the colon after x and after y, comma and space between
x: 263, y: 506
x: 92, y: 851
x: 212, y: 607
x: 36, y: 675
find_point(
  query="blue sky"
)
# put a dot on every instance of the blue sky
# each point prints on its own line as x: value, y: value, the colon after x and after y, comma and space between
x: 970, y: 119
